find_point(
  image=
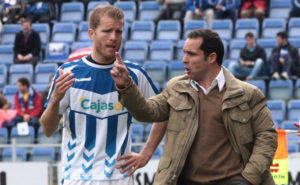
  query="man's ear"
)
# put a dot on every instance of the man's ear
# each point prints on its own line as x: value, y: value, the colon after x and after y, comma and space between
x: 91, y: 33
x: 212, y: 57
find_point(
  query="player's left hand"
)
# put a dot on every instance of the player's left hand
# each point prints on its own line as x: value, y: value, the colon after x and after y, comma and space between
x: 133, y: 161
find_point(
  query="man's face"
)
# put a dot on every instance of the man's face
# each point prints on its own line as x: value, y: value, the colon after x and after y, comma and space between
x: 281, y: 41
x: 250, y: 41
x: 195, y: 64
x: 107, y: 38
x: 26, y: 27
x: 22, y: 88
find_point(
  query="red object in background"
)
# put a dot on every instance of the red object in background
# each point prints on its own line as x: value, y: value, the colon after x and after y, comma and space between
x: 79, y: 53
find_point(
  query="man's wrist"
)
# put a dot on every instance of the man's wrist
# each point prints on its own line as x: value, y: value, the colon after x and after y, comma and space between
x: 125, y: 87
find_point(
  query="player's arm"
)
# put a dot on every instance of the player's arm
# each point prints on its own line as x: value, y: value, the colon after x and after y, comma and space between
x: 50, y: 117
x: 134, y: 161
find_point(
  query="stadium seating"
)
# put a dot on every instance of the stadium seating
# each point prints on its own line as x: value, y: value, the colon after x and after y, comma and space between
x: 72, y: 12
x: 294, y: 28
x: 294, y: 110
x: 3, y: 135
x: 179, y: 50
x: 138, y: 132
x: 161, y: 50
x: 175, y: 69
x: 261, y: 84
x: 268, y: 45
x: 244, y: 26
x: 7, y: 54
x: 8, y: 33
x: 157, y: 153
x: 40, y: 87
x: 9, y: 92
x: 136, y: 51
x: 295, y: 42
x: 156, y: 70
x: 44, y: 32
x: 56, y: 53
x: 81, y: 45
x: 223, y: 27
x: 168, y: 30
x: 43, y: 72
x: 280, y: 90
x: 17, y: 71
x: 192, y: 25
x: 235, y: 48
x: 271, y: 26
x: 142, y: 31
x: 291, y: 137
x: 129, y: 9
x: 148, y: 10
x: 279, y: 9
x: 64, y: 32
x: 293, y: 148
x: 83, y: 29
x: 278, y: 110
x: 42, y: 154
x: 42, y: 139
x: 20, y: 154
x: 297, y: 89
x: 23, y: 139
x: 3, y: 75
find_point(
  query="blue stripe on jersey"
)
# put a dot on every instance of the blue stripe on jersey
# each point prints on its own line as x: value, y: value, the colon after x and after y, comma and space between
x: 90, y: 132
x: 72, y: 124
x: 111, y: 138
x: 135, y: 66
x: 126, y: 139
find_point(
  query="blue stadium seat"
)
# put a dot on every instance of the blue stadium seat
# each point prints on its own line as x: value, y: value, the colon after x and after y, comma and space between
x: 227, y: 62
x: 64, y: 32
x: 42, y: 154
x: 295, y: 42
x: 142, y: 31
x: 279, y: 9
x: 40, y: 87
x: 168, y: 30
x: 148, y: 130
x: 136, y: 51
x: 3, y: 75
x: 271, y: 26
x: 192, y: 25
x: 268, y: 45
x: 83, y: 29
x: 293, y: 148
x: 225, y: 44
x: 157, y: 153
x: 294, y: 28
x: 280, y: 89
x: 23, y: 139
x: 137, y: 132
x: 43, y: 72
x: 261, y: 84
x: 294, y: 110
x: 161, y: 50
x: 94, y: 4
x: 175, y: 68
x: 56, y: 53
x: 8, y: 33
x: 223, y: 27
x: 235, y: 48
x: 7, y: 54
x: 42, y: 139
x: 156, y: 70
x: 291, y: 137
x: 44, y: 32
x: 20, y: 152
x: 148, y: 10
x: 72, y: 12
x: 179, y: 50
x: 81, y: 45
x: 244, y: 26
x: 297, y: 89
x: 129, y: 9
x: 17, y: 71
x: 3, y: 135
x: 278, y: 110
x: 125, y: 32
x: 9, y: 92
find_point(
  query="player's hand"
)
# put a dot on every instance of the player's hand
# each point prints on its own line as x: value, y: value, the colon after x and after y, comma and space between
x: 62, y: 84
x: 133, y: 161
x: 298, y: 125
x: 26, y: 117
x: 281, y: 60
x: 120, y: 73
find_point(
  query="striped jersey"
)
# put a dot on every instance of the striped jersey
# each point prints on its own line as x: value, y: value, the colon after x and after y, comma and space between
x: 96, y: 126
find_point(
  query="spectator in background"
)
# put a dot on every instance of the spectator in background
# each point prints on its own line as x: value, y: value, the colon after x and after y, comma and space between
x: 295, y: 11
x: 252, y: 59
x: 256, y: 8
x: 28, y: 103
x: 4, y: 103
x: 284, y: 58
x: 12, y: 10
x: 27, y: 45
x: 208, y: 9
x: 42, y: 11
x: 171, y: 9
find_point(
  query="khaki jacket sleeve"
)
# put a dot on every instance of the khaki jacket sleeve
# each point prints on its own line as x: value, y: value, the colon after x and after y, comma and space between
x: 265, y: 140
x: 155, y: 109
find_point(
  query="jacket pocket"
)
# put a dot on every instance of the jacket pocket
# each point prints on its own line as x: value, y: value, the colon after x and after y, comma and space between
x: 162, y: 171
x: 179, y: 113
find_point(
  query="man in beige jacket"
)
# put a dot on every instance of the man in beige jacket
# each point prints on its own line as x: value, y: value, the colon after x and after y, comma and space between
x: 219, y: 131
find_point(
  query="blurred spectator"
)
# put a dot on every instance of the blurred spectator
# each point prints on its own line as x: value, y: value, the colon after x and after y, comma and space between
x: 4, y: 103
x: 256, y: 8
x: 27, y: 45
x: 171, y: 9
x: 252, y: 59
x: 28, y: 103
x: 284, y: 58
x: 12, y: 10
x: 295, y: 11
x: 207, y: 8
x: 42, y: 11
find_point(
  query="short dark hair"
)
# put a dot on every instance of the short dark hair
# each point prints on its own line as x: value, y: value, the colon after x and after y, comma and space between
x: 282, y: 34
x: 211, y: 42
x: 26, y: 20
x: 249, y: 34
x: 24, y: 81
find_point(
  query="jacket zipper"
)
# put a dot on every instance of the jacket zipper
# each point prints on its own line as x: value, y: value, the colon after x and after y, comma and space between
x: 174, y: 175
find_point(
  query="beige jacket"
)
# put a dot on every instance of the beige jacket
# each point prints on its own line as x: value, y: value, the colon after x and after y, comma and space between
x: 246, y: 117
